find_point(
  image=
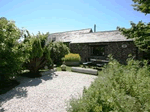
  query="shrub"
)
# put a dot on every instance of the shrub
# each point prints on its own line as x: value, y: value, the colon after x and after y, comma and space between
x: 72, y: 57
x: 58, y: 51
x: 39, y: 53
x: 11, y: 52
x: 119, y: 88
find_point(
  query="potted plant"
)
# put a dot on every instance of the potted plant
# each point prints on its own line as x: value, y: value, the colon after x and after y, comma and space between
x: 72, y: 59
x: 63, y: 67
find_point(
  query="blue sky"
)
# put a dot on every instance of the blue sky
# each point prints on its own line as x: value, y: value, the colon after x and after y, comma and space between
x: 65, y: 15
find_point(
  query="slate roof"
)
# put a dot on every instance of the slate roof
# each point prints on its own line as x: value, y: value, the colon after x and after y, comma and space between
x: 67, y: 36
x: 103, y: 36
x: 87, y: 36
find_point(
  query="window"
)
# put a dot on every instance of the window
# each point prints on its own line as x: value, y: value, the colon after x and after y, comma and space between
x: 97, y: 50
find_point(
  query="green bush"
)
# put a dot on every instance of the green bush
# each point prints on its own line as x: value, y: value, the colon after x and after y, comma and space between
x: 72, y: 57
x: 119, y: 88
x: 58, y: 51
x: 39, y: 53
x: 11, y: 51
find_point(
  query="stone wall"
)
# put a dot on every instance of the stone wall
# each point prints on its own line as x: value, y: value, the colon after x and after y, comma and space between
x: 114, y: 48
x: 81, y: 49
x: 119, y: 53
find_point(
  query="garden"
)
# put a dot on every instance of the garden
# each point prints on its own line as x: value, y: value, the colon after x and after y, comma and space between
x: 122, y: 88
x: 28, y: 57
x: 31, y: 56
x: 118, y: 88
x: 125, y: 89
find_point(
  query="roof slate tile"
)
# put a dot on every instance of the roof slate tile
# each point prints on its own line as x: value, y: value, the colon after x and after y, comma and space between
x: 87, y: 36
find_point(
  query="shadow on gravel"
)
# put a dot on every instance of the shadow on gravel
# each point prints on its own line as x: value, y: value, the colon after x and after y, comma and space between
x: 20, y: 90
x: 15, y: 92
x: 37, y: 81
x: 2, y: 110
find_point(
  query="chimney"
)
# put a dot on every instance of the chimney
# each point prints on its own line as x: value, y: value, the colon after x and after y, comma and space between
x: 94, y: 27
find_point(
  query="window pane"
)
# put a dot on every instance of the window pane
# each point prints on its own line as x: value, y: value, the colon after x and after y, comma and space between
x: 98, y: 50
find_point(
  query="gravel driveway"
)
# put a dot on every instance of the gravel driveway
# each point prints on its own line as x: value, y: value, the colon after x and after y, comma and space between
x: 48, y: 93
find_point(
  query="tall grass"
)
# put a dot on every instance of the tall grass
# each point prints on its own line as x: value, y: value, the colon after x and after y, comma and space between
x: 72, y: 57
x: 119, y: 88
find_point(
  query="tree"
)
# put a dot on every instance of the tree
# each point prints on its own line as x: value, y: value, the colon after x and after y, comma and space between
x: 140, y: 32
x: 39, y: 52
x: 11, y: 54
x: 142, y: 5
x: 58, y: 51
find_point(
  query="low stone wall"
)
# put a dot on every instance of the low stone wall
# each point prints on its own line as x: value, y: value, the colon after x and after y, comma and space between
x: 84, y: 70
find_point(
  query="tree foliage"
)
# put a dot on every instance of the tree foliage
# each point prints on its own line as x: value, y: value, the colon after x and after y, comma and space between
x: 142, y: 5
x: 39, y: 52
x: 118, y: 88
x: 32, y: 53
x: 139, y: 32
x: 11, y: 52
x: 58, y: 51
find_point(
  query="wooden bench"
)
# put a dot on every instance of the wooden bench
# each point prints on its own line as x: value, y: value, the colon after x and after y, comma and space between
x: 99, y: 65
x: 89, y: 64
x: 84, y: 70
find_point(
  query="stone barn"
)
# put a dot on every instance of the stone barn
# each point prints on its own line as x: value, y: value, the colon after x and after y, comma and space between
x: 97, y: 45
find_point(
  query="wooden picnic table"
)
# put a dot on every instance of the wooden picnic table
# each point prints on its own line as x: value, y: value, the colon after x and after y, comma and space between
x: 99, y: 60
x: 95, y: 62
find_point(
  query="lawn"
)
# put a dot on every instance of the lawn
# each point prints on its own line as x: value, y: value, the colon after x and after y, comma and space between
x: 68, y: 68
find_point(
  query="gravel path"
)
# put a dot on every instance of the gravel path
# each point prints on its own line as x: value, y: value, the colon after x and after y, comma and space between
x: 46, y: 94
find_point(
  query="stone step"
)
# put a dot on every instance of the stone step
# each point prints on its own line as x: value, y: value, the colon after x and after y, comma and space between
x: 84, y: 70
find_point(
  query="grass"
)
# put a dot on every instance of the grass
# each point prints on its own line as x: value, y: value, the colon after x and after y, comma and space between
x: 26, y: 73
x: 43, y: 70
x: 67, y: 68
